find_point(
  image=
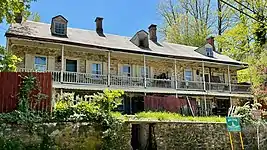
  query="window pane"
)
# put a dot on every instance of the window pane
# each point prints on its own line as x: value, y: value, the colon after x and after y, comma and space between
x: 188, y: 75
x: 40, y: 67
x: 40, y: 60
x: 59, y: 28
x: 71, y: 65
x: 96, y: 68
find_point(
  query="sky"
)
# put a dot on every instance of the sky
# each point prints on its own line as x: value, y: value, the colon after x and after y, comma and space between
x: 121, y: 17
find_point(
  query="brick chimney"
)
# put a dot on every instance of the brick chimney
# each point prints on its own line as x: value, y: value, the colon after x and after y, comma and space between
x: 210, y: 40
x: 153, y: 32
x: 18, y: 18
x: 99, y: 28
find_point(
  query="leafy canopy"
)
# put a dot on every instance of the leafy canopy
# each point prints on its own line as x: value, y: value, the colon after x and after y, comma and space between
x: 8, y: 61
x: 10, y: 8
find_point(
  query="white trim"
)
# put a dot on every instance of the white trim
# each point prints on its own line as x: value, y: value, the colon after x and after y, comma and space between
x: 71, y: 58
x: 121, y: 69
x: 46, y: 61
x: 191, y: 70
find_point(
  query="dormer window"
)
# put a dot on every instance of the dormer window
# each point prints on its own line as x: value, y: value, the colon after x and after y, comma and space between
x: 140, y: 39
x: 209, y: 52
x: 59, y: 26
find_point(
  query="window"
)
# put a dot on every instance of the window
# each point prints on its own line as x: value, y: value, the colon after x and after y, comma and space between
x: 147, y: 72
x: 59, y: 28
x: 188, y: 75
x: 209, y: 52
x: 71, y: 65
x: 126, y: 70
x: 96, y: 68
x: 40, y: 63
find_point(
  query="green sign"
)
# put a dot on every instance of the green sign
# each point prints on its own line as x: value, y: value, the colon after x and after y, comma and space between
x: 233, y: 124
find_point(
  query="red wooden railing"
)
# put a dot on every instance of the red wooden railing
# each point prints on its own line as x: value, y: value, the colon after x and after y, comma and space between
x: 10, y: 85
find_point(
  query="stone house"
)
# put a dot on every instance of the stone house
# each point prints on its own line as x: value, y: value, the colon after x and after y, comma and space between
x: 89, y: 61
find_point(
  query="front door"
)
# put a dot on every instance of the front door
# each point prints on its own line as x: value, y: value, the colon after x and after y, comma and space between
x: 71, y: 68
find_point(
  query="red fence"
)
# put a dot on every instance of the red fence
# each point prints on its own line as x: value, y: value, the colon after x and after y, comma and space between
x: 167, y: 103
x: 10, y: 86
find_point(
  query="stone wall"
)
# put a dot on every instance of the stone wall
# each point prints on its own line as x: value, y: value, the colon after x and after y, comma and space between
x: 190, y: 135
x: 58, y: 136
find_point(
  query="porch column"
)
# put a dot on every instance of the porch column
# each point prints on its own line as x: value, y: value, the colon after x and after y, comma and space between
x: 108, y: 68
x: 62, y: 63
x: 205, y: 105
x: 144, y: 70
x: 203, y: 76
x: 229, y: 79
x: 175, y: 74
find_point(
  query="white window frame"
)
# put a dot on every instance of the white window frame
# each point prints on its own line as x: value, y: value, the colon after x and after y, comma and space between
x: 39, y: 64
x: 60, y: 23
x: 128, y: 74
x: 71, y: 58
x: 100, y: 69
x: 209, y: 51
x: 187, y: 70
x: 147, y: 71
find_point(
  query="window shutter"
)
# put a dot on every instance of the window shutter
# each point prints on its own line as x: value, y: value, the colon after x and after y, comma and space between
x: 151, y: 72
x: 88, y: 66
x: 51, y: 63
x: 78, y: 65
x: 29, y: 61
x: 104, y: 68
x: 119, y: 69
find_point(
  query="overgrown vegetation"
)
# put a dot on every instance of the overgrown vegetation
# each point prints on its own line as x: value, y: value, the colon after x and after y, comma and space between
x: 176, y: 117
x: 8, y: 61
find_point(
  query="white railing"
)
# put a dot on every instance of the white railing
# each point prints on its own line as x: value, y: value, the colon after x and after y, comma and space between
x: 190, y: 85
x: 240, y: 88
x: 126, y: 81
x: 160, y: 83
x: 56, y: 75
x: 84, y: 78
x: 221, y: 87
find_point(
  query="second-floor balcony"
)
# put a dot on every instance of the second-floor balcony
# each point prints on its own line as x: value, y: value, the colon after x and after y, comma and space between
x: 145, y: 83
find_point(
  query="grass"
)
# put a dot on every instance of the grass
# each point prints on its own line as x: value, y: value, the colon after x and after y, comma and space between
x: 167, y: 116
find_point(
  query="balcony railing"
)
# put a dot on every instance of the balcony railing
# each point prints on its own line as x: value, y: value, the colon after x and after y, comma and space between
x: 221, y: 87
x: 139, y: 82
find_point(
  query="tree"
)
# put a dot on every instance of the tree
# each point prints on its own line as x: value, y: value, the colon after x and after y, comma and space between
x: 186, y: 21
x: 35, y: 17
x: 10, y: 8
x: 8, y: 61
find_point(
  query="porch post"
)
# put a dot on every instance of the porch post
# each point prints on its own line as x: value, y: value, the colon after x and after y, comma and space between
x: 108, y: 68
x: 145, y: 70
x: 203, y: 76
x: 205, y: 105
x: 175, y: 74
x: 229, y: 79
x: 62, y: 63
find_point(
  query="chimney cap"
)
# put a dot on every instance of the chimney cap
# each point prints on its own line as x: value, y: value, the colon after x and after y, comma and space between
x: 152, y: 25
x: 99, y: 19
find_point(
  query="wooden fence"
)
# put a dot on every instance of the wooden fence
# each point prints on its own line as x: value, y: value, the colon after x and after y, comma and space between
x: 10, y: 85
x: 168, y: 103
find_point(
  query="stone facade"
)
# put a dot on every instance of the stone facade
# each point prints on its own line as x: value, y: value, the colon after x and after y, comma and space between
x: 191, y: 135
x: 84, y: 57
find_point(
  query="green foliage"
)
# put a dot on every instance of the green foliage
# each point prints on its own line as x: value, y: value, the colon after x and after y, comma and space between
x: 184, y: 25
x: 245, y: 112
x: 9, y: 9
x: 9, y: 61
x: 167, y: 116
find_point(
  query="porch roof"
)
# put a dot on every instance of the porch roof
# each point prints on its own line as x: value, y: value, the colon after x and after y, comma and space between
x: 88, y: 38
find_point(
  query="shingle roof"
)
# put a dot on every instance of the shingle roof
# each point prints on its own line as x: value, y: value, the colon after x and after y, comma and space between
x: 91, y: 38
